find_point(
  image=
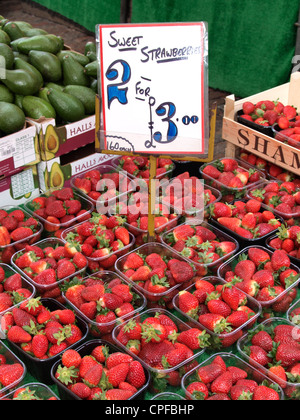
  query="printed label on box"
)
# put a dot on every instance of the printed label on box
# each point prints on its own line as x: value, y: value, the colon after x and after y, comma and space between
x: 21, y: 149
x: 22, y: 184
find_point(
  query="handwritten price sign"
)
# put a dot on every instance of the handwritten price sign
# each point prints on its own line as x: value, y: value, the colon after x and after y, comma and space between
x: 154, y: 94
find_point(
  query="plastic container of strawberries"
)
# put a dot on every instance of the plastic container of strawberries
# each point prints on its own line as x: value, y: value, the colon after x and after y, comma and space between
x: 41, y: 392
x: 145, y: 250
x: 211, y: 268
x: 181, y: 325
x: 9, y: 271
x: 97, y: 329
x: 28, y: 241
x: 230, y: 360
x: 86, y: 205
x: 244, y: 242
x: 284, y: 216
x: 41, y: 369
x: 239, y: 193
x: 12, y: 358
x: 293, y: 314
x: 217, y: 338
x: 117, y: 254
x: 295, y: 261
x: 106, y: 169
x: 116, y: 164
x: 278, y: 135
x: 45, y: 243
x: 189, y: 212
x: 231, y: 264
x: 268, y: 326
x: 266, y: 130
x: 86, y: 349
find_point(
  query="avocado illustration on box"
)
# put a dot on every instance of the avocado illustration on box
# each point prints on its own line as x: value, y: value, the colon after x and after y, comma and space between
x: 50, y: 142
x: 53, y: 175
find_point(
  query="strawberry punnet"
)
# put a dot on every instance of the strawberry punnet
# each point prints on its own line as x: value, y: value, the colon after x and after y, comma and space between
x: 220, y: 378
x: 103, y: 375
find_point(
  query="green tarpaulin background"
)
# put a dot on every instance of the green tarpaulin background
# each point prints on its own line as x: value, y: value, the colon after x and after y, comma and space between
x: 251, y: 42
x: 87, y: 13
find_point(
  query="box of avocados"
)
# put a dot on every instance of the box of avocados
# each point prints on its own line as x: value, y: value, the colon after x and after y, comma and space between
x: 18, y: 188
x: 56, y: 141
x: 58, y: 172
x: 18, y: 151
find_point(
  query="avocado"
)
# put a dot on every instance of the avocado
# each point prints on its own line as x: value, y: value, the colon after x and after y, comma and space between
x: 37, y: 108
x: 34, y: 32
x: 86, y: 95
x: 22, y: 56
x: 13, y: 31
x: 57, y: 179
x: 6, y: 95
x: 94, y: 85
x: 51, y: 143
x: 12, y: 118
x: 90, y: 47
x: 19, y: 101
x: 43, y: 94
x: 91, y: 69
x: 23, y: 65
x: 47, y: 64
x: 7, y: 53
x: 47, y: 43
x: 82, y: 59
x: 24, y: 26
x: 55, y: 86
x: 4, y: 37
x: 74, y: 73
x: 21, y: 82
x: 92, y: 56
x: 68, y: 107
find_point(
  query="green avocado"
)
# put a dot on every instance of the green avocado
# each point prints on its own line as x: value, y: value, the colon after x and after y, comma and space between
x: 23, y: 65
x: 74, y: 73
x: 12, y: 118
x: 21, y: 82
x: 13, y: 30
x: 86, y: 95
x: 37, y: 108
x: 47, y: 64
x: 6, y: 95
x: 7, y: 53
x: 82, y: 59
x: 48, y: 43
x: 68, y: 107
x: 92, y: 69
x: 4, y: 37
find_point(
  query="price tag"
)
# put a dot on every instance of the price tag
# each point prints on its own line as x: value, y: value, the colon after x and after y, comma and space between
x: 154, y: 90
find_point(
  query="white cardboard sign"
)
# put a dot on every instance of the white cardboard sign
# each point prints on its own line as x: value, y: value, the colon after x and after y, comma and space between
x: 154, y: 94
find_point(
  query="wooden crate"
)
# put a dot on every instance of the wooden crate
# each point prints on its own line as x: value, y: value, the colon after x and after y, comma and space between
x: 266, y: 147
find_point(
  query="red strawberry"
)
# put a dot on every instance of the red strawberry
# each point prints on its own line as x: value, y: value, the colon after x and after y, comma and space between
x: 118, y: 374
x: 188, y: 303
x: 222, y: 384
x: 194, y: 339
x: 136, y: 375
x: 93, y: 376
x: 40, y: 345
x: 264, y: 393
x: 10, y: 374
x: 18, y: 336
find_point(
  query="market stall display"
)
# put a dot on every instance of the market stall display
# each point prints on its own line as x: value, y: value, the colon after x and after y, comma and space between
x: 121, y: 279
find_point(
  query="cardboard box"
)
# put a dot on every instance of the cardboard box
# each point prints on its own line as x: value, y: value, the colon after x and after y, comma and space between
x: 19, y: 150
x: 57, y: 173
x: 18, y: 188
x: 59, y: 141
x: 266, y: 147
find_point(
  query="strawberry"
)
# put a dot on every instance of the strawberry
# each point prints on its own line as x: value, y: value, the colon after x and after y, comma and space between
x: 65, y: 269
x: 118, y: 374
x: 81, y: 390
x: 222, y: 384
x: 245, y: 269
x: 264, y: 393
x: 17, y: 335
x: 209, y: 373
x: 117, y: 395
x: 93, y: 376
x: 287, y: 354
x: 258, y: 256
x: 194, y: 338
x: 181, y: 271
x: 4, y: 236
x: 188, y: 303
x: 122, y: 234
x: 237, y: 319
x: 280, y: 260
x: 240, y: 393
x: 71, y: 358
x: 264, y: 340
x: 198, y: 390
x: 153, y: 332
x: 9, y: 374
x: 133, y: 261
x: 118, y: 358
x: 260, y: 356
x: 136, y: 375
x: 40, y: 345
x: 215, y: 323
